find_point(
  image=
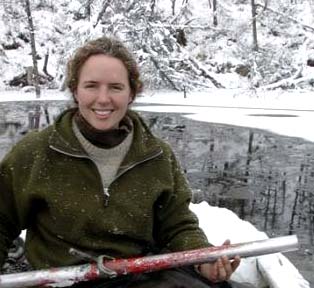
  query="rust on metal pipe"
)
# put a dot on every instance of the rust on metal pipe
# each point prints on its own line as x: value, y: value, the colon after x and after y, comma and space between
x: 66, y: 276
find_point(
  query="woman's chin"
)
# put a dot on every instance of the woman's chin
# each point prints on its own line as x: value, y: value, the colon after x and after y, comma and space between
x: 103, y: 128
x: 99, y: 125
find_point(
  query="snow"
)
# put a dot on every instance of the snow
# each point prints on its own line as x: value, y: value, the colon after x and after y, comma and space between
x: 285, y: 113
x: 284, y: 45
x: 273, y: 269
x: 46, y: 95
x: 232, y: 107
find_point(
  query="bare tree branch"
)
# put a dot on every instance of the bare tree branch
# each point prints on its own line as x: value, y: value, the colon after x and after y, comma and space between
x: 162, y: 73
x: 102, y: 12
x: 306, y: 27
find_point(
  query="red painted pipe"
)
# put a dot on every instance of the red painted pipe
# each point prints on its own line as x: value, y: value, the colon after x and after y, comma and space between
x: 198, y: 256
x: 66, y: 276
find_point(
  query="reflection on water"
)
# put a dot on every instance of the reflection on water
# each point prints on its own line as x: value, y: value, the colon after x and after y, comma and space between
x: 265, y: 178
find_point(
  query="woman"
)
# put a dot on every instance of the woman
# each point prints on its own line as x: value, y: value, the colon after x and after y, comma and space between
x: 100, y: 182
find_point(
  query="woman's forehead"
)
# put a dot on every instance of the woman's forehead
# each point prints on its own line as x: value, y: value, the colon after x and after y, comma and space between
x: 99, y: 66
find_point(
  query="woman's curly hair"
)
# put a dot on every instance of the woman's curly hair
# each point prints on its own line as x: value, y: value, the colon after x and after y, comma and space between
x: 106, y: 46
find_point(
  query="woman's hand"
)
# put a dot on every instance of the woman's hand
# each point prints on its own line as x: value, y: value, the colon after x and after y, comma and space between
x: 221, y: 270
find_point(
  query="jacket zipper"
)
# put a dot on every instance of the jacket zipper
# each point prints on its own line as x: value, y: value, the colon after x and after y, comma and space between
x: 131, y: 166
x: 106, y: 189
x: 106, y: 195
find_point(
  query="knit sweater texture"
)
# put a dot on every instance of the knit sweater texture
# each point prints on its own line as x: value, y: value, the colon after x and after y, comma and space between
x: 50, y: 186
x: 107, y: 160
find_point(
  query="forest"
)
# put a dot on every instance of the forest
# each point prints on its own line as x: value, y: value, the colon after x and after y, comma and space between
x: 181, y: 45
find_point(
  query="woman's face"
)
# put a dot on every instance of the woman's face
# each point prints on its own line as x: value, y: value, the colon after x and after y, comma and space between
x: 103, y: 92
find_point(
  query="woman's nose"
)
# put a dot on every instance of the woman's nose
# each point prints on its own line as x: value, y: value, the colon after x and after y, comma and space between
x: 103, y: 95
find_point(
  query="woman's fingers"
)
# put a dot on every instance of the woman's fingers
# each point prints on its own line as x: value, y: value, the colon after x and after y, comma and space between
x: 226, y: 269
x: 223, y: 269
x: 235, y: 263
x: 209, y: 271
x: 227, y: 242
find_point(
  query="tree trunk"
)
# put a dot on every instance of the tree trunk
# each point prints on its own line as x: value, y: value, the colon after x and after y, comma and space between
x: 33, y: 46
x: 249, y: 156
x: 102, y: 12
x: 173, y: 7
x: 46, y: 65
x: 255, y: 46
x: 215, y: 19
x: 88, y: 9
x: 152, y: 6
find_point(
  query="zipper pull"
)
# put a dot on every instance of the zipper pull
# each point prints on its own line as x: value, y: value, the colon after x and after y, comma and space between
x: 106, y: 196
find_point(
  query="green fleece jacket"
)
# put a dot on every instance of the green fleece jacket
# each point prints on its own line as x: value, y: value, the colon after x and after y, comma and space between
x: 50, y: 186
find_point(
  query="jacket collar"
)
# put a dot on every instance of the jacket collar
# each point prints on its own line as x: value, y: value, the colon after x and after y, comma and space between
x: 62, y: 138
x: 144, y: 145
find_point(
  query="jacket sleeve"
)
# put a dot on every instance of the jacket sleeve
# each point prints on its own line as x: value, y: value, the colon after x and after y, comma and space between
x: 177, y: 226
x: 9, y: 228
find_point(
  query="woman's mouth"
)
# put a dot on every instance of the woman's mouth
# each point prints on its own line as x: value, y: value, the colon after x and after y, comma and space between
x: 102, y: 112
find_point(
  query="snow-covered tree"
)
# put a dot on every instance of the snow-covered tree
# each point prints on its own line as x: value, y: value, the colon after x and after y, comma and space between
x: 178, y: 47
x: 34, y: 75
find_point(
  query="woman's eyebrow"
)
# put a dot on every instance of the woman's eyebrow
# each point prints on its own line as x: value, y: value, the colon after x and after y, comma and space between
x: 90, y: 81
x: 117, y: 83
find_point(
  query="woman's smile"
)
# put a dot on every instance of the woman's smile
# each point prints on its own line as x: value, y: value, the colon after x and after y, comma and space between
x: 103, y: 113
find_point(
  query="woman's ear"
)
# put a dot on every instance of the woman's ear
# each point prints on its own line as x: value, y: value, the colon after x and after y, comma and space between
x: 75, y: 97
x: 131, y: 99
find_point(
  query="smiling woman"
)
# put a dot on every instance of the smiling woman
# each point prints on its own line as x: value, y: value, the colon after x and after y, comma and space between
x: 103, y: 92
x: 99, y: 181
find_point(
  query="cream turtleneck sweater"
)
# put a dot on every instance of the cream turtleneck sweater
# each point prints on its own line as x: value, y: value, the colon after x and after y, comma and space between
x: 108, y: 160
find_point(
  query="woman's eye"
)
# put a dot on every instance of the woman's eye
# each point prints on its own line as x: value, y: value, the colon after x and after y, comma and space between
x: 117, y: 87
x: 90, y: 86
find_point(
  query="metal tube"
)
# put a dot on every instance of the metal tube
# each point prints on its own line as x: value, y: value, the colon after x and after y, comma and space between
x: 54, y: 277
x: 65, y: 276
x: 205, y: 255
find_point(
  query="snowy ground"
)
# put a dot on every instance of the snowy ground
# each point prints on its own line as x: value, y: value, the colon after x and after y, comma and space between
x: 273, y: 270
